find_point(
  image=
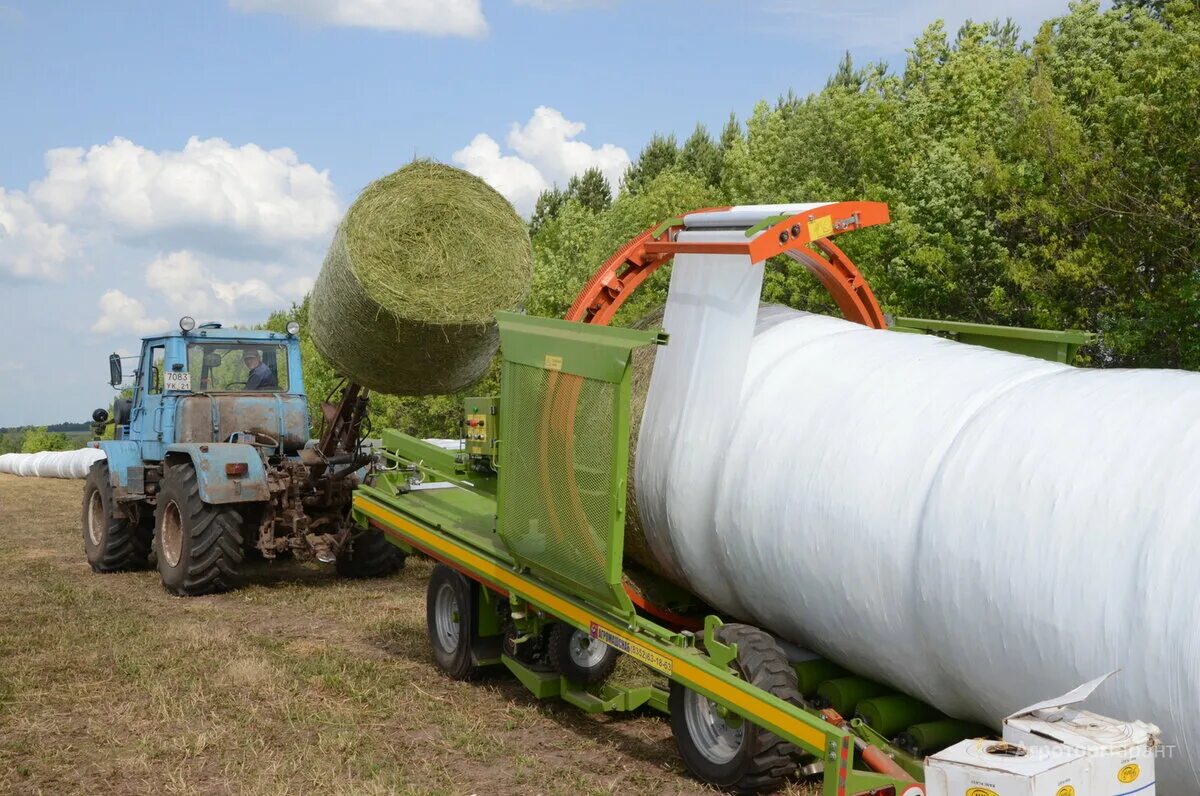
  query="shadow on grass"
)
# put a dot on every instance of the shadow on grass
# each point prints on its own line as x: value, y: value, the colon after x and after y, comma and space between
x: 402, y: 639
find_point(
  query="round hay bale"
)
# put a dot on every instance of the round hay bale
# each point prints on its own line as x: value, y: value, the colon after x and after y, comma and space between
x: 636, y: 547
x: 423, y: 260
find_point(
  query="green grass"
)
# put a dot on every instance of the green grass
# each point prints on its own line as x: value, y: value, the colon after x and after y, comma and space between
x: 298, y: 683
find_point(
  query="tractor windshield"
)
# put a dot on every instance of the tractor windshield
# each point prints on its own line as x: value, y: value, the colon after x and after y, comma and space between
x: 237, y: 367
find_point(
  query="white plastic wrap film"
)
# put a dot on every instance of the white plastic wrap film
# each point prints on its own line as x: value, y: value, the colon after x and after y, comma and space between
x: 694, y: 390
x: 51, y: 464
x: 979, y: 529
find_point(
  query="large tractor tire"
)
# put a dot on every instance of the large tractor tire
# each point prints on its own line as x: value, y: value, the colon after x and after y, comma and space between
x: 723, y: 749
x: 368, y: 554
x: 198, y: 545
x: 111, y: 544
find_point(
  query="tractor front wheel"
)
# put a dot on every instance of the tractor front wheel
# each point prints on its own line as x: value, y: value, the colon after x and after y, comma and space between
x: 111, y: 544
x: 198, y: 545
x: 368, y: 554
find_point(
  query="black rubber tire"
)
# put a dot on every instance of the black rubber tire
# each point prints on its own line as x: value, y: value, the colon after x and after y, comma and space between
x: 562, y: 637
x: 369, y: 554
x: 211, y: 538
x: 763, y: 761
x: 452, y: 656
x: 122, y: 544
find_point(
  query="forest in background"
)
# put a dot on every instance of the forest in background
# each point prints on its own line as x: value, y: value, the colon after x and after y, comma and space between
x: 1049, y: 182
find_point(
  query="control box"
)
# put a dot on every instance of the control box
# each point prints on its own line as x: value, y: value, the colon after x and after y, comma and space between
x: 481, y: 425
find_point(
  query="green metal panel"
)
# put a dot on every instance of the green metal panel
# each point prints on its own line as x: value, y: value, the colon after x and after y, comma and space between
x: 430, y: 456
x: 595, y: 352
x: 1055, y: 346
x: 564, y: 414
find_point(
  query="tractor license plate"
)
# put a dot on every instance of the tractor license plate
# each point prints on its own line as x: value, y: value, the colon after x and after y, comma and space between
x: 177, y: 382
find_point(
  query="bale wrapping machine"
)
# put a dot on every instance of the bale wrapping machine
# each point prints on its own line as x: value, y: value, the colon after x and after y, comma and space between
x: 527, y: 524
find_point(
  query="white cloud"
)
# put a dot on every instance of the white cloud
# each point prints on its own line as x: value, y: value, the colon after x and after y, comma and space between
x: 518, y: 180
x: 30, y: 246
x: 563, y: 5
x: 120, y: 313
x: 547, y: 153
x: 191, y: 287
x: 209, y: 194
x: 432, y: 17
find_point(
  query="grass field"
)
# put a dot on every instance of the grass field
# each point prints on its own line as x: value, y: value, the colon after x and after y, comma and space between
x: 298, y: 683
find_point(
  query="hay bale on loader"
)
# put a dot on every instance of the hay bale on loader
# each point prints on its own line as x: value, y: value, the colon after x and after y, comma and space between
x: 406, y: 298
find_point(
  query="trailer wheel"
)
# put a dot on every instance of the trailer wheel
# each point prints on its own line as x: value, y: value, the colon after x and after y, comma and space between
x: 579, y: 657
x: 369, y: 554
x: 450, y: 621
x: 723, y: 749
x: 198, y: 545
x: 111, y: 544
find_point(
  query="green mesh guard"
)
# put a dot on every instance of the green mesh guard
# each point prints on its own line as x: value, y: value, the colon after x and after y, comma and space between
x: 557, y: 476
x: 564, y: 452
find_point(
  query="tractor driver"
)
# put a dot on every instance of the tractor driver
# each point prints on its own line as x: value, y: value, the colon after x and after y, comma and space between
x: 261, y: 377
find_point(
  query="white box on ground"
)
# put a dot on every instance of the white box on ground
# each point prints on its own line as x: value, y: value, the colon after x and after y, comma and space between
x: 994, y: 768
x: 1121, y: 753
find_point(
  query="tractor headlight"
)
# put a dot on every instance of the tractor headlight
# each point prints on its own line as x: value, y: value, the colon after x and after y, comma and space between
x: 187, y: 323
x: 293, y: 328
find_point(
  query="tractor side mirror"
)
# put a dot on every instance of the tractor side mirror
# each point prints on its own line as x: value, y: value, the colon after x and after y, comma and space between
x: 115, y: 374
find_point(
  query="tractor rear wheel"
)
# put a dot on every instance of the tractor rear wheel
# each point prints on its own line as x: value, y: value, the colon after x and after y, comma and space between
x: 198, y: 545
x: 369, y: 554
x: 111, y: 544
x: 723, y: 749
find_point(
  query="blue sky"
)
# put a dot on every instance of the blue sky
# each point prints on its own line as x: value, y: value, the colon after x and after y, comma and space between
x: 193, y: 156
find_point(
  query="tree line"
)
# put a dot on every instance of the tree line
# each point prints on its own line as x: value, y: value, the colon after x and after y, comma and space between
x: 1050, y: 183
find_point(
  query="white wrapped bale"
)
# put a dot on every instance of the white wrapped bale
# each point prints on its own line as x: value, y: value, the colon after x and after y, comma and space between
x: 977, y: 528
x: 51, y: 464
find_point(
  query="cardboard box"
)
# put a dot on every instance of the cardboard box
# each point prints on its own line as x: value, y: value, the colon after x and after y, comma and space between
x: 1121, y: 753
x: 995, y: 768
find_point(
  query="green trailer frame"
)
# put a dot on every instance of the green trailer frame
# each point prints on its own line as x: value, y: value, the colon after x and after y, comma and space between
x: 546, y: 537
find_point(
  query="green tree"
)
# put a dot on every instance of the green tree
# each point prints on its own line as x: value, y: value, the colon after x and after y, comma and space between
x: 39, y: 439
x: 549, y: 202
x: 659, y: 155
x: 591, y: 190
x: 701, y: 156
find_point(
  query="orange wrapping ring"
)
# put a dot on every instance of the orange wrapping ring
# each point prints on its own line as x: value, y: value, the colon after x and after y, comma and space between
x: 629, y: 267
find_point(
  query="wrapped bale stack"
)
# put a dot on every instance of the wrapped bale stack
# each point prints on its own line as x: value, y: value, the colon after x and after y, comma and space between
x: 406, y: 298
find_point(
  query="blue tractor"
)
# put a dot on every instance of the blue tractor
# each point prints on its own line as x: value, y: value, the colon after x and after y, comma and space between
x: 211, y: 461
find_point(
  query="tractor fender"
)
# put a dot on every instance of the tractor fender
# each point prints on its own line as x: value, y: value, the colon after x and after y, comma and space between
x: 216, y: 484
x: 123, y: 457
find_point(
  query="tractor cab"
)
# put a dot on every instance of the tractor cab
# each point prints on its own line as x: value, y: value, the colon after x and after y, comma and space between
x: 209, y: 384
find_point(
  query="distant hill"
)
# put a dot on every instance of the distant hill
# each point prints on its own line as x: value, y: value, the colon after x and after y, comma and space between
x: 55, y: 427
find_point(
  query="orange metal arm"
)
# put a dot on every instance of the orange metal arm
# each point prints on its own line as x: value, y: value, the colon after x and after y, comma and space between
x: 604, y: 293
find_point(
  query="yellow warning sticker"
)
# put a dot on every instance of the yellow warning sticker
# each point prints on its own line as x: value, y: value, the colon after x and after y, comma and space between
x: 1065, y: 790
x: 632, y: 649
x: 1129, y: 773
x: 820, y: 228
x: 553, y: 362
x: 981, y: 792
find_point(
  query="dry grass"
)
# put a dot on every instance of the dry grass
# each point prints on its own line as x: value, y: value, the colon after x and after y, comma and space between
x: 299, y: 683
